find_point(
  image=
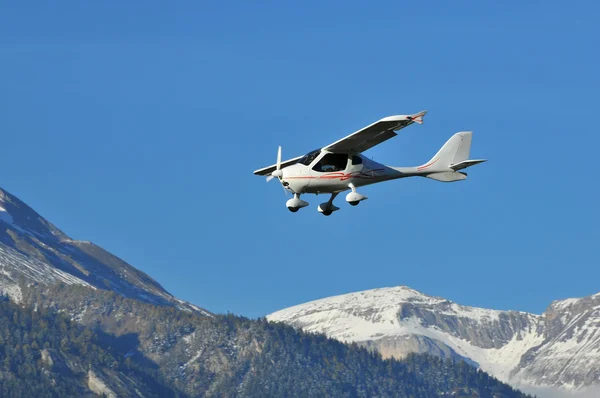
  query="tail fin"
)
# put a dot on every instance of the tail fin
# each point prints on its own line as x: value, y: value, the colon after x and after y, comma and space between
x: 453, y: 156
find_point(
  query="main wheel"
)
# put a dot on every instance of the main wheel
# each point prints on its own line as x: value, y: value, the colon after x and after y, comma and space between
x: 293, y: 209
x: 327, y: 212
x: 354, y: 203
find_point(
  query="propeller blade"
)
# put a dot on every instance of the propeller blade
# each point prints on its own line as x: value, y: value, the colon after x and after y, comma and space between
x: 277, y: 172
x: 279, y: 158
x: 269, y: 178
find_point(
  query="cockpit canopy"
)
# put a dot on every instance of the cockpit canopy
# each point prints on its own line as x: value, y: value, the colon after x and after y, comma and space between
x: 309, y: 157
x: 330, y: 161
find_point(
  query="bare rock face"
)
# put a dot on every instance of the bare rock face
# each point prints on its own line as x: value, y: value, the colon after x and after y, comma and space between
x: 570, y: 353
x: 98, y: 386
x: 47, y: 358
x: 400, y: 346
x: 559, y: 349
x: 484, y: 328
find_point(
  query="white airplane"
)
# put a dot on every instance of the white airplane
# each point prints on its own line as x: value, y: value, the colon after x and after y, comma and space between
x: 341, y: 166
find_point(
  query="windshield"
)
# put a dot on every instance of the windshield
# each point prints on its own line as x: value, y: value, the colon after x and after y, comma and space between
x: 309, y: 157
x: 332, y: 162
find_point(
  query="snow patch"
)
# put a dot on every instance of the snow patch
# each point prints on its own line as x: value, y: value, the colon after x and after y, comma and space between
x: 8, y: 219
x: 11, y: 290
x: 33, y: 269
x: 188, y: 339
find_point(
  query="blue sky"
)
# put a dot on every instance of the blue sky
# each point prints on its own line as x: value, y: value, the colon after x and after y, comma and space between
x: 137, y: 126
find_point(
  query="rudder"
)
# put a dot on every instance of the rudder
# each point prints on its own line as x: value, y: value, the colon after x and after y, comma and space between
x: 455, y: 150
x: 452, y: 156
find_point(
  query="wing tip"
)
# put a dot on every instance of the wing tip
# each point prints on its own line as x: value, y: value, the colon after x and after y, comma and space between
x: 417, y: 117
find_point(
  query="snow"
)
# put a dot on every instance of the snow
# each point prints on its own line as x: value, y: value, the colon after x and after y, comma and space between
x: 187, y: 306
x: 12, y: 291
x: 373, y: 315
x: 501, y: 361
x: 13, y: 263
x: 562, y: 304
x: 8, y: 219
x: 35, y: 260
x: 189, y: 338
x: 562, y: 360
x: 5, y: 216
x: 477, y: 314
x: 193, y: 359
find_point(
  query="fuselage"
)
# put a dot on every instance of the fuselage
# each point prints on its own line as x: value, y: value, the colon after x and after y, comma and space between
x: 324, y: 172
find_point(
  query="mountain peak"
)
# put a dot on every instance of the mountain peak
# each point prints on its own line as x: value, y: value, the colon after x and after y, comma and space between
x: 518, y: 347
x: 23, y: 218
x: 34, y: 249
x: 572, y: 301
x: 379, y: 296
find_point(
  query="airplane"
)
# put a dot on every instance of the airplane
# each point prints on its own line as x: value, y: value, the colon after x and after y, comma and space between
x: 341, y: 166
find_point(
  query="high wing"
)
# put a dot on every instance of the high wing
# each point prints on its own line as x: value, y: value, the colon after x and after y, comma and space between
x: 361, y: 140
x: 375, y: 133
x: 269, y: 169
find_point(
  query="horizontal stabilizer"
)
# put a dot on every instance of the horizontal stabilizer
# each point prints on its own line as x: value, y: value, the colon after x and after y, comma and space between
x: 447, y: 176
x: 466, y: 163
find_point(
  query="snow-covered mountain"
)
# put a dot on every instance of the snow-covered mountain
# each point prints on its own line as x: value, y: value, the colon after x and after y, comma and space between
x: 33, y: 251
x: 174, y: 345
x: 556, y: 350
x: 569, y: 355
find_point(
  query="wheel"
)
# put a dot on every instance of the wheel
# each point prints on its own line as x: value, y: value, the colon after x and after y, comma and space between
x: 355, y: 202
x: 293, y: 209
x: 327, y: 213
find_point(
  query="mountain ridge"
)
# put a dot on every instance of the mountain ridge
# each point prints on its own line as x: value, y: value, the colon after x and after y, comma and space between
x: 38, y: 251
x: 515, y: 346
x: 192, y: 351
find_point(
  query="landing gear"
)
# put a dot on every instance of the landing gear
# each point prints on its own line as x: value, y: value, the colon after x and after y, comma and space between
x: 295, y: 203
x: 328, y: 208
x: 354, y: 198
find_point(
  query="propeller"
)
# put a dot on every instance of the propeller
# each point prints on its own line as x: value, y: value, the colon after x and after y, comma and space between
x: 277, y: 172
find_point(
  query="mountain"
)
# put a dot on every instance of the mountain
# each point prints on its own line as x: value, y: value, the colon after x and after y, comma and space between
x: 79, y: 321
x: 557, y: 351
x: 569, y: 354
x: 47, y: 355
x: 34, y: 250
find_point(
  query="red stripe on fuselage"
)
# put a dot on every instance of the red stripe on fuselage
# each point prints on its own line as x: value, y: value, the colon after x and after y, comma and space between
x: 427, y: 165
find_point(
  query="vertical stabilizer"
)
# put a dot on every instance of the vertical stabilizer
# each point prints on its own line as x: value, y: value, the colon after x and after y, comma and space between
x: 455, y: 150
x: 453, y: 156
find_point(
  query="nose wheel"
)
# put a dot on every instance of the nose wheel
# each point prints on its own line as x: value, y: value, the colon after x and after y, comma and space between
x: 295, y: 203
